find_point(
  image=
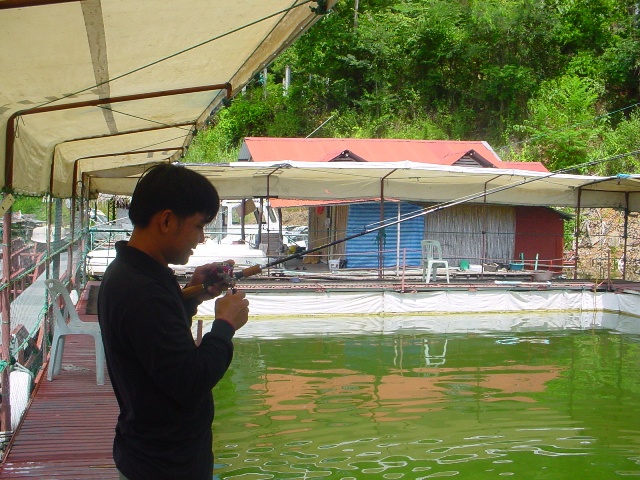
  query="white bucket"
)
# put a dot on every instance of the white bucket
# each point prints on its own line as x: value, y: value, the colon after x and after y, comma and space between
x: 334, y: 265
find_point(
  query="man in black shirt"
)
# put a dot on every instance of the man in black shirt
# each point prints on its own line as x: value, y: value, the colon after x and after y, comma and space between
x: 161, y: 379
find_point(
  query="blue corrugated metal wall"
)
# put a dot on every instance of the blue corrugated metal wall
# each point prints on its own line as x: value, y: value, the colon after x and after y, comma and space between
x: 361, y: 252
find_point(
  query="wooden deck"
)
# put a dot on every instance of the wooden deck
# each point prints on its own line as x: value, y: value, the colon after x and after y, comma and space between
x: 68, y: 427
x: 67, y: 430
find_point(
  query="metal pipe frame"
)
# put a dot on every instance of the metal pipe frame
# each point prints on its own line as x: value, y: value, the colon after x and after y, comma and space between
x: 11, y: 128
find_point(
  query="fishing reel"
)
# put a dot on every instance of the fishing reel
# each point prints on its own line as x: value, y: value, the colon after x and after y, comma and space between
x: 223, y: 276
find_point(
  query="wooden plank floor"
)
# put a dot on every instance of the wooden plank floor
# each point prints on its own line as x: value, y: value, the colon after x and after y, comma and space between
x: 67, y: 431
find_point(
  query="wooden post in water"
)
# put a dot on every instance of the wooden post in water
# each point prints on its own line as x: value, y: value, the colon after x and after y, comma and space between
x: 199, y: 333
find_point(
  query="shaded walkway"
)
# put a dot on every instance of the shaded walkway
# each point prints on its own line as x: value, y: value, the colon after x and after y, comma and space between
x: 67, y: 430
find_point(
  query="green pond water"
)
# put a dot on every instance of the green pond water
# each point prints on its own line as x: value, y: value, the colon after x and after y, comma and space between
x: 410, y: 404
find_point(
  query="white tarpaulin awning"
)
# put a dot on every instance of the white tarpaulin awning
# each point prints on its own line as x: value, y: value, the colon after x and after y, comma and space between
x: 110, y: 82
x: 406, y: 180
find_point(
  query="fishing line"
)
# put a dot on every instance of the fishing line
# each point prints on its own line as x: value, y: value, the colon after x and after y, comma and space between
x: 196, y: 290
x: 458, y: 201
x: 473, y: 196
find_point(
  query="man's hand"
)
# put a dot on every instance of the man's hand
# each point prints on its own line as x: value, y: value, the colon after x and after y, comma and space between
x: 234, y: 308
x: 217, y: 276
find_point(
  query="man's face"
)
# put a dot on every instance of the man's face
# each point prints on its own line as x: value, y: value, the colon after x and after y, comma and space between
x: 187, y: 234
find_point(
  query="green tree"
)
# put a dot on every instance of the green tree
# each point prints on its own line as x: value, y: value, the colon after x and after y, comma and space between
x: 532, y: 74
x: 561, y: 124
x: 619, y: 141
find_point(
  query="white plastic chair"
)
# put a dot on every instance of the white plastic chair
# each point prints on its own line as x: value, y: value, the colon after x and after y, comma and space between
x: 67, y: 322
x: 431, y: 258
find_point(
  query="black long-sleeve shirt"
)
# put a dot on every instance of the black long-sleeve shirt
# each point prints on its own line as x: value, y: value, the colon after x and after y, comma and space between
x: 161, y: 379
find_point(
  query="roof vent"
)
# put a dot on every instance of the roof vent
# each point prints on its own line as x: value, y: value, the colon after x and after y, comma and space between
x: 347, y: 156
x: 473, y: 159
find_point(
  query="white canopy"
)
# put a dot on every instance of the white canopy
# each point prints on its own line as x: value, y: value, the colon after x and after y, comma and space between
x: 401, y: 180
x: 109, y: 83
x: 93, y: 91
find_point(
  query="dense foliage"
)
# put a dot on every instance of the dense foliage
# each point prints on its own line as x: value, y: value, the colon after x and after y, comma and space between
x: 541, y: 80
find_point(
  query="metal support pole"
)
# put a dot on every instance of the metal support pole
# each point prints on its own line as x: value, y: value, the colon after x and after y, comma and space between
x: 576, y: 235
x: 5, y: 406
x: 626, y: 234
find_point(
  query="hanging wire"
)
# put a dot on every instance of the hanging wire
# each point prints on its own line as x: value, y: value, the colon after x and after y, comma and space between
x: 163, y: 124
x: 575, y: 125
x: 147, y: 146
x: 180, y: 52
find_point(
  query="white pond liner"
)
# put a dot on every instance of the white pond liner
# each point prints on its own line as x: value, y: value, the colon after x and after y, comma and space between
x: 304, y: 313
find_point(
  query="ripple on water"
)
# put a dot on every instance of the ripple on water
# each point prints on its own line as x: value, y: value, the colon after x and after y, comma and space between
x: 378, y: 406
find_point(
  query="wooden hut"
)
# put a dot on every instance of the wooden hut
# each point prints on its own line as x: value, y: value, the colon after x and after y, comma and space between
x: 477, y: 233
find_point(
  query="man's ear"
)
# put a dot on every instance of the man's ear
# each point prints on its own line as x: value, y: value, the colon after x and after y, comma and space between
x: 165, y: 218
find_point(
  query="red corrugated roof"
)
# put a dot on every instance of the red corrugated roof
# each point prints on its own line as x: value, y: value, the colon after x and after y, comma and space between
x: 436, y: 152
x: 534, y: 166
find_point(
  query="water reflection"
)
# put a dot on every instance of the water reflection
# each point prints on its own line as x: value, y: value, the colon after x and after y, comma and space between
x: 415, y: 405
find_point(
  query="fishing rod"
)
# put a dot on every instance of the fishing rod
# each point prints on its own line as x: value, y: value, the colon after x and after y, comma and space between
x: 228, y: 277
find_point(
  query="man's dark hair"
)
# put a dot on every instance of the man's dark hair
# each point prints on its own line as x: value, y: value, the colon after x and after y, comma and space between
x: 172, y: 187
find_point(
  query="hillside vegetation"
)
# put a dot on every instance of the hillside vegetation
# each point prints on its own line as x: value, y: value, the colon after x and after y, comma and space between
x: 553, y: 81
